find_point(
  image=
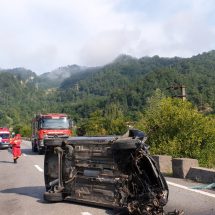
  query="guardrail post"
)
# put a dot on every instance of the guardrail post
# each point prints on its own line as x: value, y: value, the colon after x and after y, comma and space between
x: 164, y: 163
x: 181, y: 166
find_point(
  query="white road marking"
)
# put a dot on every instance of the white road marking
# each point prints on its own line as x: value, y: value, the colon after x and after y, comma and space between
x: 86, y: 213
x: 193, y: 190
x: 39, y: 168
x: 24, y: 154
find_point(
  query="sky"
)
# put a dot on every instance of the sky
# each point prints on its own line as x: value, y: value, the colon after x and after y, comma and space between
x: 42, y: 35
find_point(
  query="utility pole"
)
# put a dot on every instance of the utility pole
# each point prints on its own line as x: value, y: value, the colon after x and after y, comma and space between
x: 77, y: 87
x: 182, y: 91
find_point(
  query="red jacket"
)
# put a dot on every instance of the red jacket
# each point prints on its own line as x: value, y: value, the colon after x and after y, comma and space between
x: 16, y: 142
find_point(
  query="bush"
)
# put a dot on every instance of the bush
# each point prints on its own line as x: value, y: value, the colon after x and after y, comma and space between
x: 176, y: 128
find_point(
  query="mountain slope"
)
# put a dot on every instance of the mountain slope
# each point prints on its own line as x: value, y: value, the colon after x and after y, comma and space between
x: 131, y: 81
x: 57, y: 76
x: 21, y: 74
x: 123, y: 85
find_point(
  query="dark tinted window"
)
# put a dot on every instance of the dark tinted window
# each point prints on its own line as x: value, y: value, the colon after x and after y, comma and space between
x: 4, y: 136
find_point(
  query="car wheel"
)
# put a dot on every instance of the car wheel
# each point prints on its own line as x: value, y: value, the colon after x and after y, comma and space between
x: 53, y: 197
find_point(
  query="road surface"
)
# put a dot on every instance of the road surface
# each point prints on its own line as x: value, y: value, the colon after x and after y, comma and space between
x: 22, y: 188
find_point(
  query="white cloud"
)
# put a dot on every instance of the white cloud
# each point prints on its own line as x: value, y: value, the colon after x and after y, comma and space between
x: 107, y: 45
x: 42, y: 35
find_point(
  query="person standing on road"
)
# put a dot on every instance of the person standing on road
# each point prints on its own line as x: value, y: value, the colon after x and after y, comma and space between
x: 16, y: 150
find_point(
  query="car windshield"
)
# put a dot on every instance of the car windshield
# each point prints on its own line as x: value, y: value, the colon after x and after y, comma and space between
x: 4, y: 136
x: 57, y: 123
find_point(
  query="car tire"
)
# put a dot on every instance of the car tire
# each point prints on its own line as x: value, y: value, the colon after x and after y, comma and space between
x: 53, y: 197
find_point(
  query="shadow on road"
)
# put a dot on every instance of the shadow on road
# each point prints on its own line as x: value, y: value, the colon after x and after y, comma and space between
x: 108, y: 211
x: 35, y: 192
x: 4, y: 149
x: 6, y: 161
x: 29, y: 152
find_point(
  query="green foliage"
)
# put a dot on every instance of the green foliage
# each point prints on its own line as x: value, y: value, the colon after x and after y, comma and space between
x: 176, y: 128
x: 22, y: 129
x: 94, y: 125
x: 25, y: 131
x: 110, y: 122
x: 114, y: 119
x: 131, y: 81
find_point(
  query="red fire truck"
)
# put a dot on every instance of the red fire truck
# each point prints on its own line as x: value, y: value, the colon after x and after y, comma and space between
x: 4, y: 138
x: 52, y: 125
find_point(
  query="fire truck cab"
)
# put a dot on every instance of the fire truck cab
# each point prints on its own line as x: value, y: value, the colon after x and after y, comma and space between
x: 4, y: 138
x: 45, y: 126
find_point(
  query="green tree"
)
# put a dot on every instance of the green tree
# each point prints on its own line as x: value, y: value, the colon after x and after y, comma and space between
x: 94, y: 125
x: 114, y: 119
x: 176, y: 128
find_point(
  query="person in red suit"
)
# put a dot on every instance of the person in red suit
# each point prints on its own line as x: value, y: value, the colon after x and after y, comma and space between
x: 16, y: 150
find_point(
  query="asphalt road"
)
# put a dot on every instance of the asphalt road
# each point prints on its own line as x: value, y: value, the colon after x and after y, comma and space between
x: 22, y: 188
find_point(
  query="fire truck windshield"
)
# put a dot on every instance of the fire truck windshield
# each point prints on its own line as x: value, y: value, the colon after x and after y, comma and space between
x: 4, y: 136
x: 51, y: 123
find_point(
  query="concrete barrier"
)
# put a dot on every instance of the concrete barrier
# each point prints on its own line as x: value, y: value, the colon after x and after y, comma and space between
x: 184, y: 168
x: 181, y: 166
x: 164, y: 163
x: 200, y: 174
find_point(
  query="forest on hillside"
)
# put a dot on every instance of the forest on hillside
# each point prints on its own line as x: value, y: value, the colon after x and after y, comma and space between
x: 123, y: 85
x: 129, y: 82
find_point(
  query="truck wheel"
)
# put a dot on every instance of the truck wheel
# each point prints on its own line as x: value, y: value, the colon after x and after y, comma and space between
x: 53, y: 197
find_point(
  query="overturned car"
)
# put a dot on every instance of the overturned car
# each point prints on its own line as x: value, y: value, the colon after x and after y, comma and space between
x: 111, y: 171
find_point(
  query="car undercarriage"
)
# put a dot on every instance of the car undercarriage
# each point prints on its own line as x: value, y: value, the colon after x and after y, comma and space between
x: 113, y: 171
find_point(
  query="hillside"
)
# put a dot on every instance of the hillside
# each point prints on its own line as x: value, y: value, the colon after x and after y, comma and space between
x: 20, y: 98
x: 57, y: 76
x: 130, y: 82
x: 121, y: 86
x: 21, y: 74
